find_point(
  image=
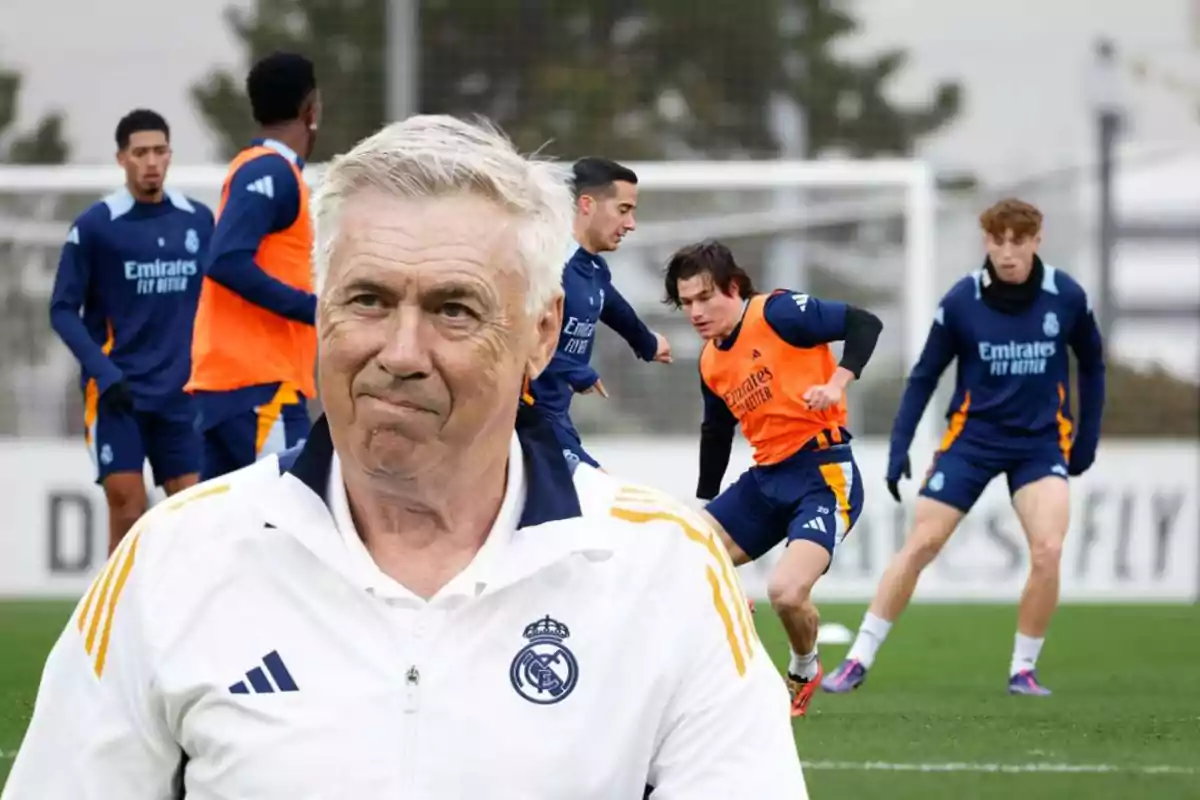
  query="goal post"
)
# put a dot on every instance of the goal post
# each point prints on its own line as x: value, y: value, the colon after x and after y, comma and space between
x: 787, y: 212
x: 912, y: 178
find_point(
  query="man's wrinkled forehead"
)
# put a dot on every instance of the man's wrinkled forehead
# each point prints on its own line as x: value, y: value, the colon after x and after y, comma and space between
x: 425, y: 242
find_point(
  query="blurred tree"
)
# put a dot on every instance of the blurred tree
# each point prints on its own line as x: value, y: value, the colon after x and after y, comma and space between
x: 628, y: 78
x: 25, y: 331
x: 845, y: 101
x: 42, y: 145
x: 1140, y: 404
x: 1148, y: 403
x: 344, y: 38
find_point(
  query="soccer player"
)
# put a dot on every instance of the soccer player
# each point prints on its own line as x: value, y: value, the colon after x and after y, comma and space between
x: 767, y: 364
x: 424, y: 600
x: 255, y: 345
x: 1009, y: 325
x: 126, y: 288
x: 606, y: 195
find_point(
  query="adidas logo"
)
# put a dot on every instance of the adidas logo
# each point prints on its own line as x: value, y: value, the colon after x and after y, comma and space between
x: 816, y: 524
x: 257, y: 681
x: 264, y: 186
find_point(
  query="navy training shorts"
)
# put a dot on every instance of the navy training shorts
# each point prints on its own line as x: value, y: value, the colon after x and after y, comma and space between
x: 124, y: 441
x: 814, y: 495
x: 959, y: 473
x: 243, y: 438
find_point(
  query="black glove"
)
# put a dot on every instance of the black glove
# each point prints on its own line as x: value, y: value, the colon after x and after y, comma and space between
x: 117, y: 399
x: 897, y: 470
x: 1080, y: 463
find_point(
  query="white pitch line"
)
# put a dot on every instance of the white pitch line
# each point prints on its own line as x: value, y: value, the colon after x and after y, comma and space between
x: 1035, y: 767
x: 883, y: 766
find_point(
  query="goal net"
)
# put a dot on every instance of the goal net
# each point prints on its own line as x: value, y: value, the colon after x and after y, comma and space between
x: 859, y: 231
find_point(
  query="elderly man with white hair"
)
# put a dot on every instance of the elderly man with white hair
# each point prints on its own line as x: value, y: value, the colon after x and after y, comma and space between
x: 426, y: 601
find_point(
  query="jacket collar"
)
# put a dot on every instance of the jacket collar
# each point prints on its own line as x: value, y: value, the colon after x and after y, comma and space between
x: 1011, y: 298
x: 550, y: 487
x: 549, y: 528
x: 281, y: 148
x: 580, y: 256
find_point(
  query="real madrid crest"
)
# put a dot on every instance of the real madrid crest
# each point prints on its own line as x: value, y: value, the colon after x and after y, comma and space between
x: 544, y: 671
x: 1050, y: 324
x: 191, y: 241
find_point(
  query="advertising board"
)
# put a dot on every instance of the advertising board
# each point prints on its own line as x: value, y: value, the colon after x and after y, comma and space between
x: 1135, y: 527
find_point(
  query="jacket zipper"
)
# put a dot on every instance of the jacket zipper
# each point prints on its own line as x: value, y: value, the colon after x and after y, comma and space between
x: 412, y: 704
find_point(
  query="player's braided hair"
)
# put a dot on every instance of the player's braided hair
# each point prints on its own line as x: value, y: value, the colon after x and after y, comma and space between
x: 278, y: 85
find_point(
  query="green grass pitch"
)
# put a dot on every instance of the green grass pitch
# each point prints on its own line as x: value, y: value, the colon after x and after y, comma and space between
x: 933, y: 721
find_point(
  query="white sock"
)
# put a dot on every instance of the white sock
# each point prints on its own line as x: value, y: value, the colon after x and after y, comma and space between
x: 1026, y: 650
x: 870, y: 638
x: 804, y: 666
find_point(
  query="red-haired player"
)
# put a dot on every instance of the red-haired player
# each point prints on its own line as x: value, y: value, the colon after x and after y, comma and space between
x: 1009, y: 325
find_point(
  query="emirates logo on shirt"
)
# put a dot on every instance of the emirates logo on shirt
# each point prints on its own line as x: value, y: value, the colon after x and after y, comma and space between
x: 750, y: 393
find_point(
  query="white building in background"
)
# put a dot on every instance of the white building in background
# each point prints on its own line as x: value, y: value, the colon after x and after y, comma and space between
x: 1166, y: 272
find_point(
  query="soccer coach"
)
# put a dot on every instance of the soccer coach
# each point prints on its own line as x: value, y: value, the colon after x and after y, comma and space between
x: 426, y: 601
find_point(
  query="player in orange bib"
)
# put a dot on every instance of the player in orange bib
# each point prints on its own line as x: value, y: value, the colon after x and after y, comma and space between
x: 767, y: 365
x: 254, y: 341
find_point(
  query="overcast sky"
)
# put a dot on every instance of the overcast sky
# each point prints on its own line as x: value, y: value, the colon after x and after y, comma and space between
x: 1023, y: 63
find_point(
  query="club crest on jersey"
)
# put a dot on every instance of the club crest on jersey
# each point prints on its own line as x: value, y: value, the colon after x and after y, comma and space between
x: 544, y: 671
x: 191, y: 241
x: 1050, y: 324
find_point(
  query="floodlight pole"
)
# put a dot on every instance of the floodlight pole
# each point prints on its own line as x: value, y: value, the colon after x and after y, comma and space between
x: 1115, y: 227
x: 1108, y: 124
x: 402, y: 59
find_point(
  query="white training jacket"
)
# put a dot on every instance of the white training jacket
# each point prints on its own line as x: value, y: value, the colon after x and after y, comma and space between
x: 241, y: 644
